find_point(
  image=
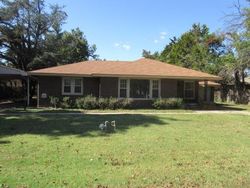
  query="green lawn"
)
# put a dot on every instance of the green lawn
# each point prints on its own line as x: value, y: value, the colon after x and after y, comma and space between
x: 217, y: 106
x: 145, y: 151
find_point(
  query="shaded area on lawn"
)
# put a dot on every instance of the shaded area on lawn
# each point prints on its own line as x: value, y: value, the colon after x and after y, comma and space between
x: 84, y: 125
x: 220, y: 107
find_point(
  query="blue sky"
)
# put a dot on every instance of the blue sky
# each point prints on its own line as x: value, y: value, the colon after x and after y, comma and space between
x: 121, y: 29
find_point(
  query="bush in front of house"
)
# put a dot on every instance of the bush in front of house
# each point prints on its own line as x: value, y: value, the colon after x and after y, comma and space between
x: 113, y: 103
x: 66, y: 103
x: 79, y: 102
x: 168, y: 103
x: 103, y: 103
x: 88, y: 103
x: 125, y: 103
x: 54, y: 101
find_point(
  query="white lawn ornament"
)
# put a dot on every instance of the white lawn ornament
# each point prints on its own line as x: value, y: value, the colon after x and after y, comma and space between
x: 113, y: 124
x: 103, y: 126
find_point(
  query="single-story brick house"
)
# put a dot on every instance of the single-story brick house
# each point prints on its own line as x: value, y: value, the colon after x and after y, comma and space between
x: 142, y: 80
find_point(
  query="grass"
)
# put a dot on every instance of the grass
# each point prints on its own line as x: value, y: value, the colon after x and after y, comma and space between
x: 145, y: 151
x: 60, y: 110
x: 216, y: 106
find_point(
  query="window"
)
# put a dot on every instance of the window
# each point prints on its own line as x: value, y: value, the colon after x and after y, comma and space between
x: 155, y: 88
x: 78, y: 85
x: 139, y: 88
x: 123, y: 88
x: 72, y: 86
x: 67, y: 86
x: 189, y: 92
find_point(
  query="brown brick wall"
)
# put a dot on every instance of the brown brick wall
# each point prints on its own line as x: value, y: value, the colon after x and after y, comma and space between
x: 180, y: 88
x: 91, y: 86
x: 109, y: 87
x: 168, y: 88
x: 52, y: 86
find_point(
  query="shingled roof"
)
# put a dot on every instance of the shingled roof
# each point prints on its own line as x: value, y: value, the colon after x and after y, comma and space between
x: 9, y: 71
x: 142, y: 68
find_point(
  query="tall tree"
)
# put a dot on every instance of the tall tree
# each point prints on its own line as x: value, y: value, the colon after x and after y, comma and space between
x: 238, y: 36
x: 23, y: 26
x: 64, y: 48
x: 197, y: 49
x: 31, y: 36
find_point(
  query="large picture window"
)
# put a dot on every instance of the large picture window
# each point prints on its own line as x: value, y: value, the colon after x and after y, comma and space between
x: 189, y: 90
x: 72, y: 86
x: 139, y: 88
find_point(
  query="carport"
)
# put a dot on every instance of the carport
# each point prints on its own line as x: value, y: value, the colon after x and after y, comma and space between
x: 9, y: 73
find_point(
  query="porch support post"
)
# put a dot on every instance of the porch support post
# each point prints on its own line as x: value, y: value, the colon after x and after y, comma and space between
x: 205, y: 91
x: 38, y: 94
x: 28, y: 90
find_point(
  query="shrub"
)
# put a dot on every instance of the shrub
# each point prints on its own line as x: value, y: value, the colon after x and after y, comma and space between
x: 168, y: 103
x: 54, y: 101
x: 113, y: 103
x: 79, y: 103
x: 103, y: 103
x: 66, y: 102
x: 125, y: 103
x: 89, y: 102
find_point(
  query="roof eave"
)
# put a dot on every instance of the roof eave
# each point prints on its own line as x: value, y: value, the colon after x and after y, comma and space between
x: 206, y: 78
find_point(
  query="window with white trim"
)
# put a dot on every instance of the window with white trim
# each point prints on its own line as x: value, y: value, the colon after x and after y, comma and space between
x: 155, y: 88
x: 189, y: 90
x: 72, y: 86
x: 139, y: 88
x: 123, y: 88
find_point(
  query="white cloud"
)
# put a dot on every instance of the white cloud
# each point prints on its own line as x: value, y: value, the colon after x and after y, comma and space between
x: 162, y: 36
x: 117, y: 44
x: 156, y: 41
x: 126, y: 47
x: 163, y: 33
x: 123, y: 46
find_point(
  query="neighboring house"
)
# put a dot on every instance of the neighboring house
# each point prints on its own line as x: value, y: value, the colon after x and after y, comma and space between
x: 142, y: 80
x: 12, y: 83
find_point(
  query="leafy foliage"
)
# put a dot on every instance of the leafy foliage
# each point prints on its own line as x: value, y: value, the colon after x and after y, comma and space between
x: 54, y: 101
x: 168, y: 103
x: 103, y: 103
x: 66, y: 102
x: 89, y: 102
x: 31, y: 36
x: 239, y: 42
x: 64, y: 48
x: 197, y: 49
